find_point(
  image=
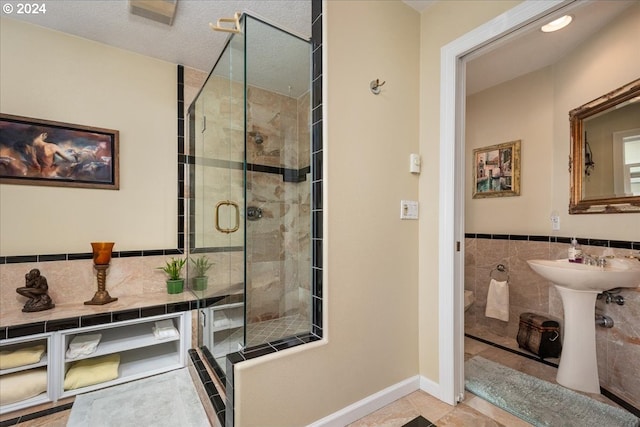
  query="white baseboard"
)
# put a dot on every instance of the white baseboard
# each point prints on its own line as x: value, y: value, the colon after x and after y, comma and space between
x: 371, y: 403
x: 431, y: 387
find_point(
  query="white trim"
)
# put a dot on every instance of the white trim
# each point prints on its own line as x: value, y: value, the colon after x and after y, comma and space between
x: 369, y: 404
x: 451, y: 214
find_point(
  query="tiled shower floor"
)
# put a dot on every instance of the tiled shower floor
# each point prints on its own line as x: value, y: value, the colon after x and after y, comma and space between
x: 263, y: 332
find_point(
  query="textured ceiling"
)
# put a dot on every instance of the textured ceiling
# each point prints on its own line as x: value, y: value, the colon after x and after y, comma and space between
x: 189, y: 41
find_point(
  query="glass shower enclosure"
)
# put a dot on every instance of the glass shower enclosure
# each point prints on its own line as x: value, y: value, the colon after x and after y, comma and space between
x: 249, y: 192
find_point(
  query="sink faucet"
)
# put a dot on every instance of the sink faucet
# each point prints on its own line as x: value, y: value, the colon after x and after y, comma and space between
x: 588, y: 259
x: 599, y: 261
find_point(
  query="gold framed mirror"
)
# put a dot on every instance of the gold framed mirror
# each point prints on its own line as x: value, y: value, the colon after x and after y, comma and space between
x: 605, y: 153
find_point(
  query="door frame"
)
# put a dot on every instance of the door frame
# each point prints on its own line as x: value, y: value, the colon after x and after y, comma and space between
x: 452, y: 186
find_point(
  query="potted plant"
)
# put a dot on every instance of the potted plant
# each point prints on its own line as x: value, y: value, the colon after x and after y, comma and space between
x: 173, y: 268
x: 200, y: 265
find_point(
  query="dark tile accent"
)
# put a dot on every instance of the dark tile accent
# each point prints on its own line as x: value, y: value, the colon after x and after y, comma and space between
x: 470, y: 235
x: 596, y: 242
x: 56, y: 257
x: 316, y: 225
x: 95, y: 319
x: 316, y: 32
x: 316, y: 137
x: 257, y: 351
x: 316, y: 115
x: 73, y: 257
x: 317, y: 253
x: 21, y: 258
x: 626, y: 405
x: 510, y: 350
x: 500, y: 236
x: 23, y: 330
x: 562, y: 240
x: 209, y: 386
x: 286, y: 343
x: 483, y: 236
x: 35, y: 415
x: 118, y: 316
x: 316, y: 282
x: 518, y: 237
x: 128, y: 254
x: 419, y: 422
x: 308, y: 337
x: 3, y: 333
x: 317, y: 195
x: 178, y: 307
x: 317, y: 312
x: 153, y: 252
x: 620, y: 244
x: 155, y: 310
x: 539, y: 238
x: 61, y: 324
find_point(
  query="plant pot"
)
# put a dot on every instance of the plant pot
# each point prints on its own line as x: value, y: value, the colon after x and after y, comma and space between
x: 175, y: 286
x: 199, y: 283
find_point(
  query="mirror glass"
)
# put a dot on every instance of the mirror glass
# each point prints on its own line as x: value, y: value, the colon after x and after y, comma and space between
x: 605, y: 165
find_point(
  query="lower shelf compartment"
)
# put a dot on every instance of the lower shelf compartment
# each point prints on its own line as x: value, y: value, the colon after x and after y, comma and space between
x: 138, y: 363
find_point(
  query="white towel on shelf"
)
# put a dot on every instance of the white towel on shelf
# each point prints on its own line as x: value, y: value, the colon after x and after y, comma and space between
x: 498, y: 300
x: 164, y: 329
x: 83, y: 345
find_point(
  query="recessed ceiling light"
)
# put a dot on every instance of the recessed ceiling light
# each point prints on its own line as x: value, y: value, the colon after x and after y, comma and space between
x: 557, y: 24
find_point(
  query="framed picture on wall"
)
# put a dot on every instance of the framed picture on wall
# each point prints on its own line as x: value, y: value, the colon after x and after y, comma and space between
x: 44, y: 152
x: 496, y: 170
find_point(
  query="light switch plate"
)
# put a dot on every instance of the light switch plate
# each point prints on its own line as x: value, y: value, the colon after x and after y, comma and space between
x: 408, y: 209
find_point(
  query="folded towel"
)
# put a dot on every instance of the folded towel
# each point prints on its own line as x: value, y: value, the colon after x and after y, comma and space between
x: 83, y: 345
x: 164, y: 329
x: 21, y: 357
x: 498, y: 300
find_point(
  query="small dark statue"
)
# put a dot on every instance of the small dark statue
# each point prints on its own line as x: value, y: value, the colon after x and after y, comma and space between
x: 36, y: 290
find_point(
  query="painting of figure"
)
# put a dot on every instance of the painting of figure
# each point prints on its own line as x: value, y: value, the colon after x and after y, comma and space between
x: 42, y: 152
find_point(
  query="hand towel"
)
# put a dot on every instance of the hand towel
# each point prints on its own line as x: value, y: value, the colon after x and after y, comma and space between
x: 164, y: 329
x: 498, y: 300
x: 83, y: 345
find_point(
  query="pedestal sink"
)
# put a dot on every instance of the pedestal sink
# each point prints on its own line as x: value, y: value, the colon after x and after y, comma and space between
x: 579, y: 285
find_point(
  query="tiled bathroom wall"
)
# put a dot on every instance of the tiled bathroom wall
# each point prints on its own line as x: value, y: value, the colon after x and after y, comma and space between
x: 618, y: 348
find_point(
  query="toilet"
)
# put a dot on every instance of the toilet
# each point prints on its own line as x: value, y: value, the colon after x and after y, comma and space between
x: 468, y: 299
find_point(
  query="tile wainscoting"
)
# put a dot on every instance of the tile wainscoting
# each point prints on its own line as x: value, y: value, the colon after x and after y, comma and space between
x: 618, y: 348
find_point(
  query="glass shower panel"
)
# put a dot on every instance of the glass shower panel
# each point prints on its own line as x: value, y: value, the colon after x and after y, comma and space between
x: 216, y: 124
x: 278, y: 255
x: 249, y: 201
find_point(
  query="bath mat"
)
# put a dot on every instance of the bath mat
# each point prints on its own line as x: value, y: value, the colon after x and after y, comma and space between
x: 539, y: 402
x: 168, y: 399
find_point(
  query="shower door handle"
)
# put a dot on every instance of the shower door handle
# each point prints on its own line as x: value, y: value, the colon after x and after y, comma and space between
x: 237, y: 209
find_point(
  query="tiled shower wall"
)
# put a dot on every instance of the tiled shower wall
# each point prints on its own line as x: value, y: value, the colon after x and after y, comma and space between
x: 618, y: 348
x: 278, y: 283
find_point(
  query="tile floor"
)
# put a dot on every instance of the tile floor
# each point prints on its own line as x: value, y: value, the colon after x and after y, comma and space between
x: 473, y: 411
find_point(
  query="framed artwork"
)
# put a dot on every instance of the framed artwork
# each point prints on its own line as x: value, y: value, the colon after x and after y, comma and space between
x: 496, y: 170
x: 44, y: 152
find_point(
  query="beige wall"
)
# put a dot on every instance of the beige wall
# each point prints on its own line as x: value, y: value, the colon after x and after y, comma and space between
x: 535, y: 109
x: 436, y: 31
x: 371, y: 263
x: 54, y: 76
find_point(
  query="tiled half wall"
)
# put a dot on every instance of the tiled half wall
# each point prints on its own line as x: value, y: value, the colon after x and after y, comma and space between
x: 618, y: 348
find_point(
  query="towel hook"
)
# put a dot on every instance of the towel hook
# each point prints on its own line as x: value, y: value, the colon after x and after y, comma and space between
x: 375, y: 86
x: 502, y: 269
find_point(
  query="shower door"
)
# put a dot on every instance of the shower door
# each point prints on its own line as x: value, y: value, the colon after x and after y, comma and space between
x: 216, y: 214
